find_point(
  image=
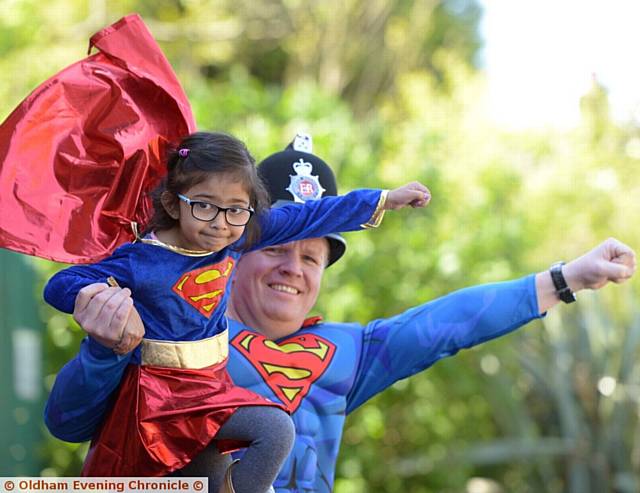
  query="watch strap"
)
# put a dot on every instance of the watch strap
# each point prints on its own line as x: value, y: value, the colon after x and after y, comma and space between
x: 563, y: 291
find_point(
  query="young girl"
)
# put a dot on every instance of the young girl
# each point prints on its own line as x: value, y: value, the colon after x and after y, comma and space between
x: 175, y: 395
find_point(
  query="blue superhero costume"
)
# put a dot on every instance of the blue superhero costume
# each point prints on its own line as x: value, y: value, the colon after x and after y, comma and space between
x: 173, y: 390
x: 321, y: 373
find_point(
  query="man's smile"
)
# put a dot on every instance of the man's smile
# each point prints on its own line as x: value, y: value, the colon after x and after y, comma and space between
x: 284, y: 288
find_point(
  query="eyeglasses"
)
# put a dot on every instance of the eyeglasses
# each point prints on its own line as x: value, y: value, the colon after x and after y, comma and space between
x: 206, y: 211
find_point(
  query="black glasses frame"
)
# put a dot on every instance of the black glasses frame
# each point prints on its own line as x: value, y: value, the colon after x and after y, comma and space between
x: 219, y: 209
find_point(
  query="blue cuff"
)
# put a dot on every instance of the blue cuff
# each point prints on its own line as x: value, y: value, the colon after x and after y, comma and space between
x: 98, y: 351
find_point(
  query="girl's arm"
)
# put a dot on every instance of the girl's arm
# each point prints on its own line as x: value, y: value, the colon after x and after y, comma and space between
x: 63, y: 288
x: 351, y: 212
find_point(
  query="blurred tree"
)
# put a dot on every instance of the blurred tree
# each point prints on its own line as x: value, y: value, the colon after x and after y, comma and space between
x: 594, y: 107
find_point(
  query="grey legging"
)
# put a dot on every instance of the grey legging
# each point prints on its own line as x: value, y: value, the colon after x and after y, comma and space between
x: 270, y: 433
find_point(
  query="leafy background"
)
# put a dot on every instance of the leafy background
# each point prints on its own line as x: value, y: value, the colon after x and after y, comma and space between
x: 390, y: 91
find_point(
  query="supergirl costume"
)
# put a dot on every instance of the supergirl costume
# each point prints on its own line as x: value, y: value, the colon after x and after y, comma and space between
x: 174, y: 391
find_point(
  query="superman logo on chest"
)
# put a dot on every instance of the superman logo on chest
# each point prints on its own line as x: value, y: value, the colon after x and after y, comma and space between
x: 203, y: 288
x: 289, y: 367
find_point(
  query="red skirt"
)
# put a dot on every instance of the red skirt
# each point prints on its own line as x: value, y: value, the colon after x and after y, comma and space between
x: 163, y: 417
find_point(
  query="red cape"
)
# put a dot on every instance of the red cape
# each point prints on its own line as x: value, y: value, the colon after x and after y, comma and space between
x: 79, y: 155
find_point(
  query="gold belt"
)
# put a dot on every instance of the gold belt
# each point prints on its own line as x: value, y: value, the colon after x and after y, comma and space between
x: 186, y: 354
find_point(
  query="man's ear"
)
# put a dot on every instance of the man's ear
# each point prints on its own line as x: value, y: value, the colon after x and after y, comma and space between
x: 170, y: 204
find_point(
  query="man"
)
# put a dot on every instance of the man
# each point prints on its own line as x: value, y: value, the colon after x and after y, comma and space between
x: 320, y: 371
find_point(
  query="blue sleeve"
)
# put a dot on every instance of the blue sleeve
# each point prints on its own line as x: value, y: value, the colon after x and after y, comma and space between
x: 408, y: 343
x: 62, y: 289
x: 82, y: 392
x: 317, y: 218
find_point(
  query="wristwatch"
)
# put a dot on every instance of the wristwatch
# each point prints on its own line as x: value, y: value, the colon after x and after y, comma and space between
x: 560, y: 283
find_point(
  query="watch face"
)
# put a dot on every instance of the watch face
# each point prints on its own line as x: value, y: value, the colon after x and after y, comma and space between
x: 567, y: 296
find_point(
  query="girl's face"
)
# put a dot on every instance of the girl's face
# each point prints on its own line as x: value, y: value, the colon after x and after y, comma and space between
x: 221, y: 190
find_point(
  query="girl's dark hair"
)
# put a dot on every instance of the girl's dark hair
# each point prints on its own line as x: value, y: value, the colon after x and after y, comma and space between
x: 210, y: 152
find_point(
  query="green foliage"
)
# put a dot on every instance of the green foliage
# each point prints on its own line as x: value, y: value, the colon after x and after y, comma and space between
x: 390, y: 94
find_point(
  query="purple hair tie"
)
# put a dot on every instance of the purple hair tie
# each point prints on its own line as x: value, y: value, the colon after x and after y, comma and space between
x: 183, y: 152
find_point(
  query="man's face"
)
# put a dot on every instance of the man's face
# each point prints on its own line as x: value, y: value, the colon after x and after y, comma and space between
x: 278, y: 285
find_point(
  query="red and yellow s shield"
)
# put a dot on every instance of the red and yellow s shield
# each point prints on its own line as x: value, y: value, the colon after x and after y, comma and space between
x: 290, y: 367
x: 203, y: 288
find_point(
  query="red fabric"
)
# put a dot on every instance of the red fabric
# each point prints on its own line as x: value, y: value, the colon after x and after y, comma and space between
x: 309, y: 322
x: 163, y: 417
x: 80, y: 153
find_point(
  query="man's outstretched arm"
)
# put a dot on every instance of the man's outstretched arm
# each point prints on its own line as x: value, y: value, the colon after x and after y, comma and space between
x: 412, y: 341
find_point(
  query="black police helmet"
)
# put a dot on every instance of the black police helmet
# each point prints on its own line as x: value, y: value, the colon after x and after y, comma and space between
x: 297, y: 175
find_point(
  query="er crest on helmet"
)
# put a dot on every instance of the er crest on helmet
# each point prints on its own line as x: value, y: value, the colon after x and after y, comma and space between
x: 303, y: 185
